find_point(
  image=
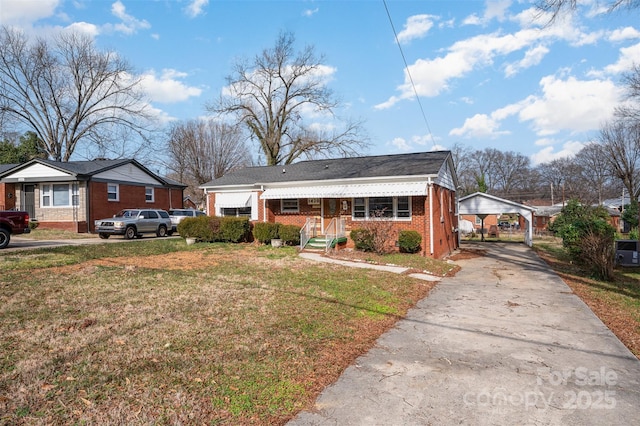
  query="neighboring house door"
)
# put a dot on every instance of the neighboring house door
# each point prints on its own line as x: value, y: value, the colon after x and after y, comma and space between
x: 29, y: 199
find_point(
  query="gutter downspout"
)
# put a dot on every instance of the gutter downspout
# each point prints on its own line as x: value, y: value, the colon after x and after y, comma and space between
x: 264, y: 205
x: 88, y: 206
x: 431, y: 243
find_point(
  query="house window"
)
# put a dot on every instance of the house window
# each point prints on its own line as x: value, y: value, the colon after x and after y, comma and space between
x: 113, y: 192
x: 59, y: 195
x: 149, y: 195
x: 290, y: 205
x: 237, y: 212
x: 359, y: 208
x: 404, y: 207
x: 382, y: 207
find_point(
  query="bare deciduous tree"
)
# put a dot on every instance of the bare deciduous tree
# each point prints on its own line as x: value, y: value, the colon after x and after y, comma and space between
x: 595, y: 172
x: 631, y: 110
x: 204, y: 150
x: 69, y: 93
x: 620, y: 143
x: 272, y: 95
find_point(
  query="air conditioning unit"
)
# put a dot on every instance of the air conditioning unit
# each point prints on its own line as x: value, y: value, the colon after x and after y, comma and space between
x: 627, y: 252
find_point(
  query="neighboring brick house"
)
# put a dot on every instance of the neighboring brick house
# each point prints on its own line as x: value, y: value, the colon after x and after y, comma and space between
x: 7, y: 190
x: 410, y: 191
x: 72, y: 195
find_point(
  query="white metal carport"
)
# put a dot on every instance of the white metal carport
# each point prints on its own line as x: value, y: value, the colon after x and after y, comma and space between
x: 483, y: 204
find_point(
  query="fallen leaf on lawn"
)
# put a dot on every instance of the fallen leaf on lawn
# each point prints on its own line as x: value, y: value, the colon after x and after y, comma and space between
x: 86, y: 402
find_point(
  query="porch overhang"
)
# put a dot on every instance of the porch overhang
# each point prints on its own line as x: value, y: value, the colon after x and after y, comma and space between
x: 233, y: 199
x: 389, y: 189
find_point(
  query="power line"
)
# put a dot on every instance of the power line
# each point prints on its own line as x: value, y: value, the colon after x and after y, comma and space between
x: 404, y: 59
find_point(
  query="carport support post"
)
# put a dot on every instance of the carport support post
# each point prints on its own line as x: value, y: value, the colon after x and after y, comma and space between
x: 482, y: 217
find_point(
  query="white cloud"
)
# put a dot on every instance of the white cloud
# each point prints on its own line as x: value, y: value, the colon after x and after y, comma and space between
x: 548, y: 154
x: 565, y: 105
x: 20, y: 12
x: 310, y: 12
x: 167, y: 88
x: 416, y: 27
x: 531, y: 57
x: 628, y: 57
x: 84, y: 28
x: 479, y: 126
x: 195, y: 8
x: 495, y: 9
x: 622, y: 34
x: 129, y: 24
x: 401, y: 144
x: 570, y: 104
x: 432, y: 76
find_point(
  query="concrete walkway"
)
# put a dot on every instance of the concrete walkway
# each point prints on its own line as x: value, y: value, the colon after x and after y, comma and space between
x: 504, y: 342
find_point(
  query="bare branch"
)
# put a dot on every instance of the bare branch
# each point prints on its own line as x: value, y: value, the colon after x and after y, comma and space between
x: 69, y: 93
x: 276, y: 94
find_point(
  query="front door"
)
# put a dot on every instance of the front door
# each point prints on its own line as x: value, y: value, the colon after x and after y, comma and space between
x: 29, y: 199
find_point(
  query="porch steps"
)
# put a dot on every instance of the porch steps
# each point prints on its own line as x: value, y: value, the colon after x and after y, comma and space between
x: 320, y: 242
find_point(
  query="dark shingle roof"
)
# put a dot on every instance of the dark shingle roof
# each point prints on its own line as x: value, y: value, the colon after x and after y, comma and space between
x: 85, y: 169
x: 416, y: 164
x: 5, y: 167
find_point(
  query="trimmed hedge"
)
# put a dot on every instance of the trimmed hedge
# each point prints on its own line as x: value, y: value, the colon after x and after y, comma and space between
x: 289, y: 234
x: 235, y: 229
x: 363, y: 239
x: 211, y: 229
x: 409, y: 241
x: 265, y: 231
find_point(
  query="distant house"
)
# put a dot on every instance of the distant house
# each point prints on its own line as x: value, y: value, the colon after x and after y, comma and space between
x: 72, y: 195
x: 333, y: 196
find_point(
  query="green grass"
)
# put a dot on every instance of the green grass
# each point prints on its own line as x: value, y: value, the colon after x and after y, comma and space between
x: 157, y: 332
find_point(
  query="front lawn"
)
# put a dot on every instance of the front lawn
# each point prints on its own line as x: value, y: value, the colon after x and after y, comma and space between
x: 157, y: 332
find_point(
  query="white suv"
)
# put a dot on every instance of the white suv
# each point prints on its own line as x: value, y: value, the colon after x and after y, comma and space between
x: 178, y: 215
x: 133, y: 223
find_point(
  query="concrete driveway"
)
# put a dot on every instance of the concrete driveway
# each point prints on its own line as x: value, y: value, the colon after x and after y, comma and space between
x: 504, y: 342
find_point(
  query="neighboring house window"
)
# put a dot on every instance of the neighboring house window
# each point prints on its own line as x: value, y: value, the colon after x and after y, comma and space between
x: 113, y: 192
x: 59, y: 195
x: 478, y: 221
x: 290, y: 205
x: 237, y: 212
x: 75, y: 195
x: 149, y: 195
x: 382, y: 207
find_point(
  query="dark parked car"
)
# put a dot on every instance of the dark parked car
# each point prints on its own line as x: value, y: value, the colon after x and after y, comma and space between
x: 12, y: 222
x: 133, y: 223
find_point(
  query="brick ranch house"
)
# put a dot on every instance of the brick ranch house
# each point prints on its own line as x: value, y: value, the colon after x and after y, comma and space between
x: 333, y: 196
x: 72, y: 195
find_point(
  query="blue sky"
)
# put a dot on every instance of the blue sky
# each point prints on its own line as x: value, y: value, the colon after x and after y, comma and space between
x: 488, y: 73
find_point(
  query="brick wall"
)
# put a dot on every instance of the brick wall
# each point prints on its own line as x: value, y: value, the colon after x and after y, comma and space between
x: 130, y: 196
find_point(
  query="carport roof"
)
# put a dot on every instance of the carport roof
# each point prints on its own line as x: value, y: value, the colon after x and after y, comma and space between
x: 482, y: 203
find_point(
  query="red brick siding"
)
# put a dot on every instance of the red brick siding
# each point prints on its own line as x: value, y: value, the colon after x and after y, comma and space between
x: 131, y: 196
x: 445, y: 240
